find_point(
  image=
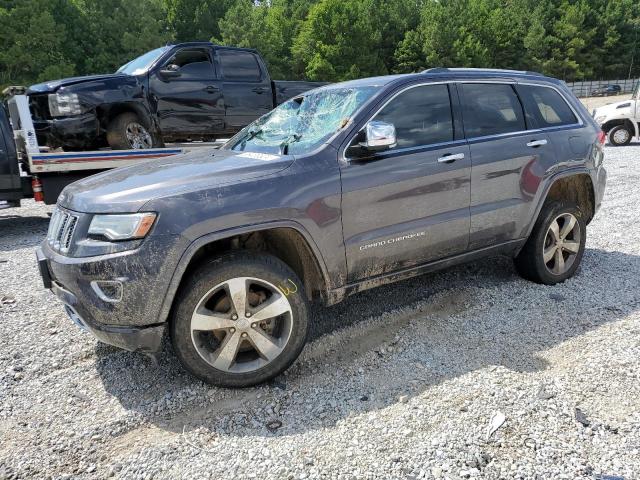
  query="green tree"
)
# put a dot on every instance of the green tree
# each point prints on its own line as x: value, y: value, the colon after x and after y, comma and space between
x: 32, y: 45
x: 191, y: 20
x: 269, y: 27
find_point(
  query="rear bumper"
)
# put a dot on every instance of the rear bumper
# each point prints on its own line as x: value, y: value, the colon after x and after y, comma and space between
x: 134, y: 338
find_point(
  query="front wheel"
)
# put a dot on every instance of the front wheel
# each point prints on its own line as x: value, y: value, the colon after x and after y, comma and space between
x: 241, y: 320
x: 126, y: 131
x: 620, y: 136
x: 555, y: 248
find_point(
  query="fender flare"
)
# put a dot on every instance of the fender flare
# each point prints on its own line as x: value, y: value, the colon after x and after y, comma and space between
x: 200, y: 242
x: 569, y: 172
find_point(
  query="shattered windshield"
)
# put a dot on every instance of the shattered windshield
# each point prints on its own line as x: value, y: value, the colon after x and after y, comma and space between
x: 303, y: 123
x: 141, y: 64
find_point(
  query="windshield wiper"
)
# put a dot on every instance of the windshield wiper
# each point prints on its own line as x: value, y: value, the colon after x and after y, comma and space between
x: 250, y: 135
x: 284, y: 146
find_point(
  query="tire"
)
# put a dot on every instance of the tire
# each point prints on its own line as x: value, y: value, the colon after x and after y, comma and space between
x: 205, y: 344
x: 126, y: 132
x: 530, y: 262
x: 620, y: 136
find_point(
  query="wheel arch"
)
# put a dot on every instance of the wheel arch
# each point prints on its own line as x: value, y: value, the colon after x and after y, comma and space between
x: 106, y: 113
x: 575, y: 185
x: 288, y: 241
x: 633, y: 128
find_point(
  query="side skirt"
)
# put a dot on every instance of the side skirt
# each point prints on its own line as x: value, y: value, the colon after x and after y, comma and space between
x: 509, y: 248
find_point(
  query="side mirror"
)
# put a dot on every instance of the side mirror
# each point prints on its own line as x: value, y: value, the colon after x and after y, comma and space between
x: 170, y: 71
x: 379, y: 136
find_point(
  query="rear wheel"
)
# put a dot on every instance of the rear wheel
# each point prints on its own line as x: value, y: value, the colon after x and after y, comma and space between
x: 241, y: 320
x: 126, y: 131
x: 555, y: 248
x: 620, y: 136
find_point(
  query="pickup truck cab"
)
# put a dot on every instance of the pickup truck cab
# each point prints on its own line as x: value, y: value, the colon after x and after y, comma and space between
x: 340, y: 189
x: 189, y: 91
x: 620, y: 120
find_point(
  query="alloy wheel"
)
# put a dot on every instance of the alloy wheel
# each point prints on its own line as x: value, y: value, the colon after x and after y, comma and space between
x: 241, y: 325
x: 561, y: 244
x: 138, y: 136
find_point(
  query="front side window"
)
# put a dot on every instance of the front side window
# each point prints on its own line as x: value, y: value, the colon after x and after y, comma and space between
x: 546, y: 106
x: 239, y: 66
x: 421, y: 115
x: 302, y: 124
x: 193, y: 64
x: 491, y: 109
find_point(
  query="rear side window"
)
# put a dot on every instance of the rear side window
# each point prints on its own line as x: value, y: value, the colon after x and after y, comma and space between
x: 546, y: 106
x: 194, y: 64
x: 421, y: 115
x: 491, y: 109
x: 238, y: 65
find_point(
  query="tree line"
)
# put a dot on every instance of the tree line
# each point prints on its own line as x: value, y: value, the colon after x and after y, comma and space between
x: 329, y: 40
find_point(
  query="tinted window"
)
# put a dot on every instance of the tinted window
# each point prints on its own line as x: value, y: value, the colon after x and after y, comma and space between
x: 421, y: 115
x: 491, y: 109
x: 547, y: 106
x: 193, y: 63
x: 238, y: 65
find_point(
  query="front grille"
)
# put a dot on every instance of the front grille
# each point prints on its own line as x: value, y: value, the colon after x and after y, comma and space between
x: 39, y: 106
x: 61, y: 229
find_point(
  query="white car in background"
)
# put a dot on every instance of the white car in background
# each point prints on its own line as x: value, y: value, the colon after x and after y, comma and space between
x: 620, y: 120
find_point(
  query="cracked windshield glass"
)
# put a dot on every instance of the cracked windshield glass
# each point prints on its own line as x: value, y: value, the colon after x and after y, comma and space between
x: 303, y: 123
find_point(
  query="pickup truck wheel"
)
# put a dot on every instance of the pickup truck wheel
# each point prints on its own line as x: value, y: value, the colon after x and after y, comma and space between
x: 240, y: 320
x: 554, y: 250
x: 620, y: 136
x: 127, y: 132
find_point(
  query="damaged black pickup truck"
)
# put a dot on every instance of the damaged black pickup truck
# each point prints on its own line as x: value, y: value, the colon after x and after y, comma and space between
x: 189, y: 91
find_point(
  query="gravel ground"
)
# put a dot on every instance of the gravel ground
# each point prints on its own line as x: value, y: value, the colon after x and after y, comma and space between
x: 398, y: 382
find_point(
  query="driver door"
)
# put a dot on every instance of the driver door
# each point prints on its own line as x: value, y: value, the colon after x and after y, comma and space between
x: 188, y: 95
x: 408, y: 205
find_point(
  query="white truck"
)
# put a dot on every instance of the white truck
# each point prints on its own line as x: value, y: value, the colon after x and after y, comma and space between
x: 620, y: 120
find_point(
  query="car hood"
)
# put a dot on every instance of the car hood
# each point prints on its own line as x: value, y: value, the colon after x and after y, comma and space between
x: 127, y: 189
x: 613, y: 108
x: 54, y: 85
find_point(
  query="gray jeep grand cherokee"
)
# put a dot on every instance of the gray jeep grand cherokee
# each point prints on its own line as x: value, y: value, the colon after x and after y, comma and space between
x: 343, y: 188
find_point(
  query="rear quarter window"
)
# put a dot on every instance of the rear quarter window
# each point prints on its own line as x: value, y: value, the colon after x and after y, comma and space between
x: 547, y: 107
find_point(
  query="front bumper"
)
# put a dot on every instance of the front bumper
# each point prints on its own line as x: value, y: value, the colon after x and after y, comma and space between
x: 77, y: 131
x: 133, y: 321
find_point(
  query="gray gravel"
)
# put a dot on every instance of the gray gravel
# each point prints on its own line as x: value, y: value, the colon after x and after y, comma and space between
x: 403, y: 381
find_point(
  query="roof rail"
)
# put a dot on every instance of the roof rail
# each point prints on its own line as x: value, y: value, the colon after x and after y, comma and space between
x: 480, y: 70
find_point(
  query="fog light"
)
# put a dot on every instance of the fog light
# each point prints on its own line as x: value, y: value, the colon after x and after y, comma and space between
x: 108, y: 290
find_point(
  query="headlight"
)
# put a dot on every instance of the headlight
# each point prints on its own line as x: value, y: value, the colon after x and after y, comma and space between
x: 600, y: 118
x: 122, y: 227
x: 64, y: 104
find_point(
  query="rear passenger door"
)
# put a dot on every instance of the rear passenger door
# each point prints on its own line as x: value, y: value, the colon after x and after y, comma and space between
x: 408, y: 205
x: 247, y: 87
x: 507, y: 162
x: 547, y: 109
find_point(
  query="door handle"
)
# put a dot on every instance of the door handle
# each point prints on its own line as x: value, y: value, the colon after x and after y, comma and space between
x: 450, y: 157
x: 260, y: 89
x: 212, y: 89
x: 536, y: 143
